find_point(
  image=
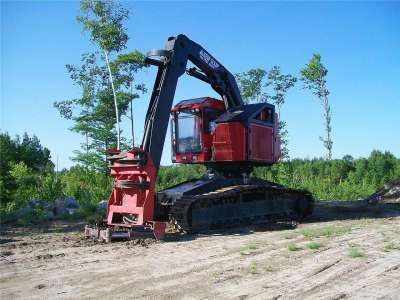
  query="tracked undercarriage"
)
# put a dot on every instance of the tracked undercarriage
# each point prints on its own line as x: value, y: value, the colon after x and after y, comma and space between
x: 202, y: 205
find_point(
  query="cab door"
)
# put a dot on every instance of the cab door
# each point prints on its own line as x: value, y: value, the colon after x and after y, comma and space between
x: 262, y: 136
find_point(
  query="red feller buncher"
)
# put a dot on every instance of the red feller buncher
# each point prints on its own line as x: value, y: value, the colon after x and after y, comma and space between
x: 227, y: 136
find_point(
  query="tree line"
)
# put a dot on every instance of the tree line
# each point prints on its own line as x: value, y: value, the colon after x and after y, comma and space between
x: 337, y: 179
x: 27, y: 172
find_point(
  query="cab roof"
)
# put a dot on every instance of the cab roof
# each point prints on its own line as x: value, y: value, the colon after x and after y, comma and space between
x: 199, y: 103
x: 243, y: 113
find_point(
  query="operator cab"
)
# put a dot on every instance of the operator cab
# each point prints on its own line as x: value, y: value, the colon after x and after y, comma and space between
x: 193, y: 124
x: 204, y: 132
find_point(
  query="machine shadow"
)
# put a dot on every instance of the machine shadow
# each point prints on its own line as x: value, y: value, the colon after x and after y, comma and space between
x: 233, y: 231
x: 324, y: 211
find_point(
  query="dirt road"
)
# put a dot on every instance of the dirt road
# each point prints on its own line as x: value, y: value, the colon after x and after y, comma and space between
x: 356, y: 257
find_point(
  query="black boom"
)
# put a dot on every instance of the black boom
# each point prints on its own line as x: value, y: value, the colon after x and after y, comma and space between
x: 172, y: 63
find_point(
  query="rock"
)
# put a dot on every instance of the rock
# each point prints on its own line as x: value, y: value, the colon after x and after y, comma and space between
x: 70, y: 202
x: 70, y: 211
x: 34, y: 203
x: 50, y: 214
x: 42, y: 204
x: 65, y: 206
x: 23, y: 211
x: 47, y: 206
x: 102, y: 206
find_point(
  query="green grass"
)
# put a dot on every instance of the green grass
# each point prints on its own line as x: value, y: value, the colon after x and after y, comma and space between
x: 292, y: 247
x: 391, y: 246
x: 247, y: 249
x: 253, y: 269
x: 268, y: 268
x: 314, y: 245
x: 356, y: 252
x: 257, y: 268
x: 328, y: 231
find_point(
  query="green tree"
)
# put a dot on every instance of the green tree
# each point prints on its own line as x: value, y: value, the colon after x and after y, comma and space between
x: 102, y: 79
x: 313, y: 76
x: 336, y: 179
x: 87, y: 186
x: 22, y: 163
x: 26, y: 184
x: 8, y: 150
x: 129, y: 65
x: 250, y: 85
x: 49, y: 187
x: 33, y: 154
x: 281, y: 83
x: 104, y: 22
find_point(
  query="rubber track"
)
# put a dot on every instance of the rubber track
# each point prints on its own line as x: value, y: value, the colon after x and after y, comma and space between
x: 292, y: 205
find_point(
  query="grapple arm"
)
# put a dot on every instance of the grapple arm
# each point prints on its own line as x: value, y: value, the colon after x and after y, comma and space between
x: 172, y: 63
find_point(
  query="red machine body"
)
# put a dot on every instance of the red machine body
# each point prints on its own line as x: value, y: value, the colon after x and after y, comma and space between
x: 192, y: 137
x: 131, y: 203
x: 203, y: 131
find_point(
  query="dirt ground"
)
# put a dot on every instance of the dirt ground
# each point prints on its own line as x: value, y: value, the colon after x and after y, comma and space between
x: 356, y: 255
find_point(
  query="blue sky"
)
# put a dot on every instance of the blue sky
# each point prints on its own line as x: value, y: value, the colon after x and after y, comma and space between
x: 359, y: 43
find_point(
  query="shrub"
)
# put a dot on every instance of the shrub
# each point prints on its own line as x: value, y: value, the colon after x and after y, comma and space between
x: 247, y: 249
x: 328, y: 231
x: 314, y: 245
x: 86, y: 186
x: 50, y: 188
x: 391, y: 246
x: 293, y: 247
x: 356, y: 252
x: 32, y: 216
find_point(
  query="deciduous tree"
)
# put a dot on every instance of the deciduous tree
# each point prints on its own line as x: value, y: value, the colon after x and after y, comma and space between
x: 104, y: 22
x: 252, y: 84
x: 280, y: 84
x: 103, y: 80
x: 313, y: 76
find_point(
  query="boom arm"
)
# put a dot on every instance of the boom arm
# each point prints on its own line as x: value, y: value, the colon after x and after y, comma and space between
x: 171, y: 64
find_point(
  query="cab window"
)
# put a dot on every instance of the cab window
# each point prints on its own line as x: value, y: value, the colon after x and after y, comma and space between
x: 188, y: 132
x: 210, y: 115
x: 266, y: 115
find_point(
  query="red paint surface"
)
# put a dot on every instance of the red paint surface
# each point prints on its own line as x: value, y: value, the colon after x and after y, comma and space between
x: 261, y: 142
x: 229, y: 142
x: 207, y: 138
x: 138, y: 201
x: 209, y: 102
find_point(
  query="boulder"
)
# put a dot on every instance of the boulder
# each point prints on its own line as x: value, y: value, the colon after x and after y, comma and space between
x: 102, y: 206
x: 49, y: 214
x: 41, y: 204
x: 23, y: 211
x: 65, y: 206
